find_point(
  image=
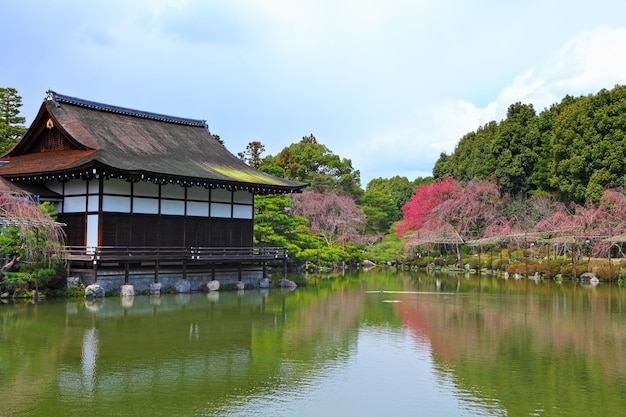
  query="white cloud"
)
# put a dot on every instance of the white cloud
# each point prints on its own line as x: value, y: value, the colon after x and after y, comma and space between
x: 593, y: 60
x: 387, y: 84
x: 589, y: 62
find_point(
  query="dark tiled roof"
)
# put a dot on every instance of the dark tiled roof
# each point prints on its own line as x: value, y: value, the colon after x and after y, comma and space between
x: 37, y: 164
x: 128, y: 142
x: 60, y: 98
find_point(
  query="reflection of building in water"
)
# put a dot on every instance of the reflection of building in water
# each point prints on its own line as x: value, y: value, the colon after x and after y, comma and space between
x: 88, y: 360
x: 186, y: 342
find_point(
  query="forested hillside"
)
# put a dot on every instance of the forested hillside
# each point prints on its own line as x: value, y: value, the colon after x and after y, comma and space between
x: 572, y: 150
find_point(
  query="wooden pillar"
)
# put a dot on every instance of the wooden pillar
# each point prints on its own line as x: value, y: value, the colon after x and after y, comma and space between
x: 126, y: 271
x: 264, y: 269
x: 285, y: 267
x: 239, y: 272
x: 95, y: 270
x: 156, y: 271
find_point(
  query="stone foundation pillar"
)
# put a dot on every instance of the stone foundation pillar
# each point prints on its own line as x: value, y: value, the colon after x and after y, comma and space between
x: 155, y: 288
x: 127, y: 290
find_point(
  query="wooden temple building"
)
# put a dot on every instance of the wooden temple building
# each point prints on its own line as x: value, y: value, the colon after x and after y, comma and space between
x: 144, y: 197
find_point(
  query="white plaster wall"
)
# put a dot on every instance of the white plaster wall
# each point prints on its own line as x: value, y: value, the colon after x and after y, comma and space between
x: 174, y: 207
x: 116, y: 204
x: 172, y: 191
x: 145, y: 205
x: 243, y: 197
x: 198, y: 193
x: 76, y: 187
x: 195, y: 208
x: 116, y: 186
x: 92, y: 230
x: 221, y: 195
x: 242, y: 212
x: 145, y: 189
x: 74, y: 204
x: 220, y: 210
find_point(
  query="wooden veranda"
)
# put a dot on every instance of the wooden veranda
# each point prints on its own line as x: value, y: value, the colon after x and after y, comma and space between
x: 207, y: 258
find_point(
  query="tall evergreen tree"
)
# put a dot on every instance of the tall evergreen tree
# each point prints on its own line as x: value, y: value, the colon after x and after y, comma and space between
x: 11, y: 124
x: 310, y: 161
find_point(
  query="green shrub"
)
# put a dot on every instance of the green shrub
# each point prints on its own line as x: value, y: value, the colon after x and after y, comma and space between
x: 16, y: 280
x: 75, y: 292
x: 604, y: 272
x: 22, y: 293
x: 111, y: 292
x: 548, y: 268
x: 474, y: 262
x: 496, y: 263
x: 48, y: 278
x: 567, y: 270
x: 516, y: 268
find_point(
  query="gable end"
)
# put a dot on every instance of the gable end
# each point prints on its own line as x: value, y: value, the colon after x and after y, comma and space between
x: 51, y: 139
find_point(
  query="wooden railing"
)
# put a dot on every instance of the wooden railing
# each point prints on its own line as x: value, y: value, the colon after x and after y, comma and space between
x: 191, y: 254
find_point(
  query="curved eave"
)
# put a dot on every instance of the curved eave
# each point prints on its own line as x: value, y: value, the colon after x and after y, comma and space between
x: 46, y: 163
x: 93, y: 169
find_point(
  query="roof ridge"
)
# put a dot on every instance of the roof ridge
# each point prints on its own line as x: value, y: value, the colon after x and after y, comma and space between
x: 60, y: 98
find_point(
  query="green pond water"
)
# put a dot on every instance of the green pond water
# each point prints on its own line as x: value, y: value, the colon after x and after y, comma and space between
x: 438, y: 345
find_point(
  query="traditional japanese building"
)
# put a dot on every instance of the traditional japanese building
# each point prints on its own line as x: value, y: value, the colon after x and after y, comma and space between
x: 140, y: 190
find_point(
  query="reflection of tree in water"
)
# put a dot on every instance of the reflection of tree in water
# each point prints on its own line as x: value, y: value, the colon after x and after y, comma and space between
x: 521, y: 349
x: 88, y: 360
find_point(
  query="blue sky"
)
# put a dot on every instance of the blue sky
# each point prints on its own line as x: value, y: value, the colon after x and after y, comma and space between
x: 388, y: 84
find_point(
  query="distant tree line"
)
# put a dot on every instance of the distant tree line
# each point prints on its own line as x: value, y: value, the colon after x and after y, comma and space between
x: 572, y: 150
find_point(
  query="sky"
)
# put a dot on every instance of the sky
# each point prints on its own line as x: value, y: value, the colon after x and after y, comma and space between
x: 387, y: 84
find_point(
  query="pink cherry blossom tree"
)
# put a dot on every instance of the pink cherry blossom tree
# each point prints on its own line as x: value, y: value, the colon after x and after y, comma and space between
x: 333, y: 217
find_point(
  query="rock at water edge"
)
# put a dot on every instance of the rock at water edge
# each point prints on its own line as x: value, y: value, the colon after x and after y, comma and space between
x: 94, y: 291
x: 213, y: 285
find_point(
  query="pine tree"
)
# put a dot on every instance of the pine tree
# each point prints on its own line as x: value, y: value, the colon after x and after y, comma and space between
x: 11, y: 124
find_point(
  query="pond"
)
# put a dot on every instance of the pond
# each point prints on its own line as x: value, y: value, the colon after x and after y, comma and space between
x: 375, y: 343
